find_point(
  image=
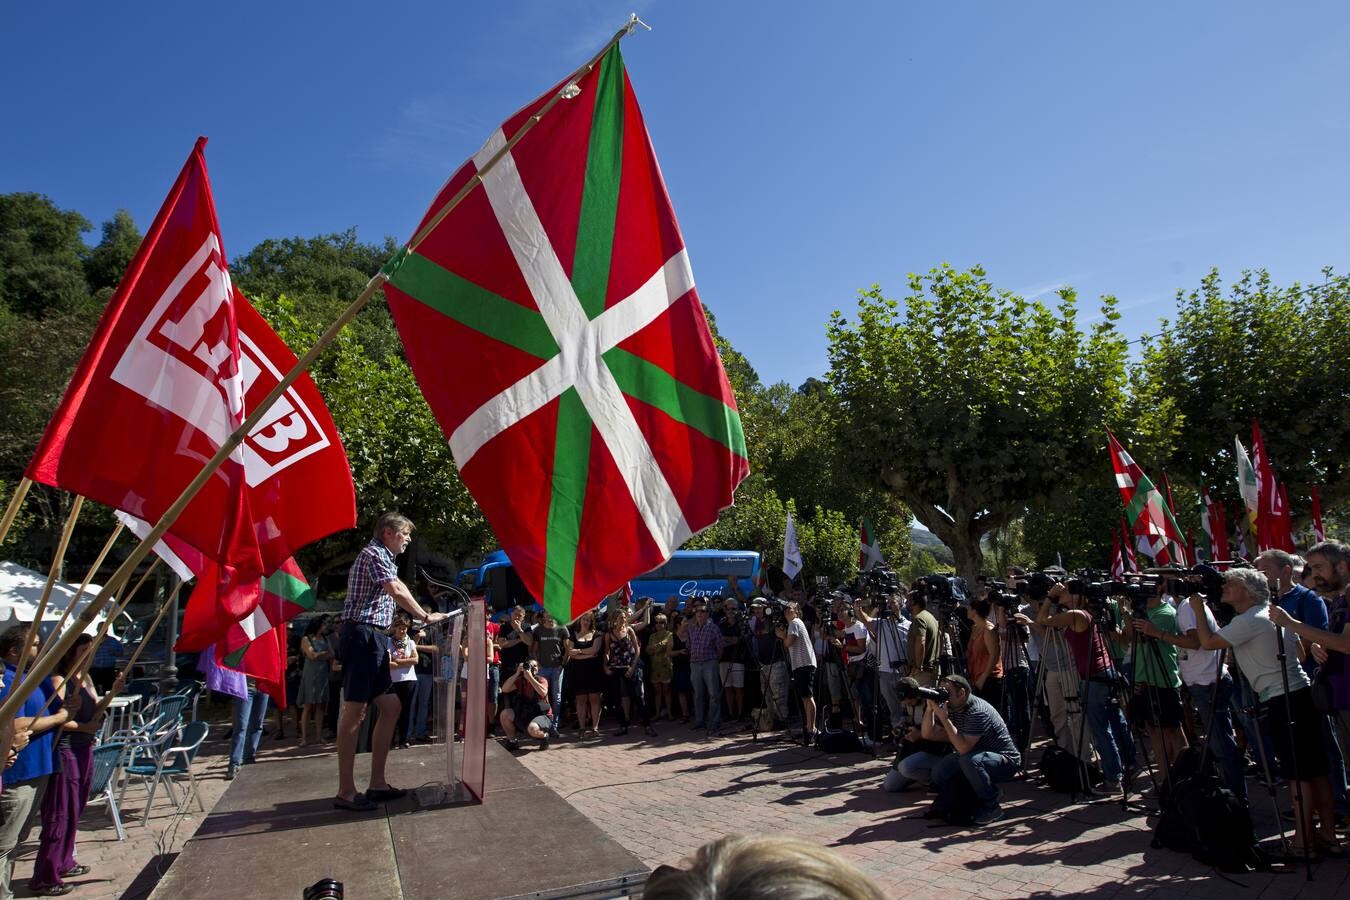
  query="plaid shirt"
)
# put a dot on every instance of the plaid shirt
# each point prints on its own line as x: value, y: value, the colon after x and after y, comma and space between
x: 367, y: 601
x: 705, y: 642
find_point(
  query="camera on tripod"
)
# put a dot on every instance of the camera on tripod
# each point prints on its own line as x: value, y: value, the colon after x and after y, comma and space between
x: 1204, y: 580
x: 999, y: 595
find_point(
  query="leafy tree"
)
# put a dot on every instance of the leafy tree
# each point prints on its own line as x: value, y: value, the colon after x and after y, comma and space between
x: 972, y: 402
x: 41, y: 256
x: 1265, y: 352
x: 107, y: 262
x: 399, y: 456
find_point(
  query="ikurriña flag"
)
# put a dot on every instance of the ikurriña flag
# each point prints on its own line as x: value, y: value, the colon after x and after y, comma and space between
x: 256, y: 645
x: 553, y: 325
x: 1148, y: 513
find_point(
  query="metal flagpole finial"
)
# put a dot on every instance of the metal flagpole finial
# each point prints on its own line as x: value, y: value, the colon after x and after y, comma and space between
x: 634, y: 22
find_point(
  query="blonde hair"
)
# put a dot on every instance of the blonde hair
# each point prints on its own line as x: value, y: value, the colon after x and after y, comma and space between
x: 762, y: 868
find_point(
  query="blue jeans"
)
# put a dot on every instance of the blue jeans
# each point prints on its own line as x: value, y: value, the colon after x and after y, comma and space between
x: 249, y: 714
x: 917, y: 767
x: 1110, y: 733
x: 421, y: 705
x: 554, y: 674
x: 1219, y: 732
x: 707, y: 693
x: 981, y: 769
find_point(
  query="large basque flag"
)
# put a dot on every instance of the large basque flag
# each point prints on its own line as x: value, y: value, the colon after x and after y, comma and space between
x: 552, y: 322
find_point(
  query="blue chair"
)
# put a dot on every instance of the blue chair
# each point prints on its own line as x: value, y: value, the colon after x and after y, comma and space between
x: 192, y: 690
x: 172, y: 762
x: 107, y: 760
x: 171, y: 704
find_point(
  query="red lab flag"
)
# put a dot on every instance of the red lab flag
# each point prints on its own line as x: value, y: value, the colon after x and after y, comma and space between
x: 1318, y: 531
x: 159, y: 389
x: 170, y: 372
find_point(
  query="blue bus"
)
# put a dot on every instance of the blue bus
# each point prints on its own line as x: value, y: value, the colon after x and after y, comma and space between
x: 686, y: 575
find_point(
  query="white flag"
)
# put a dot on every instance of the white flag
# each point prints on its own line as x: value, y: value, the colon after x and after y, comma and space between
x: 792, y: 554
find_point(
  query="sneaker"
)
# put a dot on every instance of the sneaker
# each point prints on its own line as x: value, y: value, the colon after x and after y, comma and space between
x: 543, y: 742
x: 1108, y: 788
x: 230, y: 771
x: 987, y: 814
x: 511, y: 744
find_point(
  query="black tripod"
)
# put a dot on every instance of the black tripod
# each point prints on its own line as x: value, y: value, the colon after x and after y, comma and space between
x: 767, y: 690
x: 1302, y: 811
x: 888, y: 648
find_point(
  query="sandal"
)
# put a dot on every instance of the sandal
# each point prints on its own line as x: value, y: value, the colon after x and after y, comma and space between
x: 76, y: 872
x: 359, y: 803
x: 55, y: 890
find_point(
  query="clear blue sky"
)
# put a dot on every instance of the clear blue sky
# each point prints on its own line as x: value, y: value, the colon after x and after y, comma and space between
x: 811, y: 149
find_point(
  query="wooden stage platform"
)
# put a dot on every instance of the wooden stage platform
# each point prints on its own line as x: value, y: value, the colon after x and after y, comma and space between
x: 275, y: 832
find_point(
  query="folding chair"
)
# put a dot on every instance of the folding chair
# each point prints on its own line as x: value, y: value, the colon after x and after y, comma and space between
x: 173, y: 761
x: 193, y: 691
x: 107, y: 760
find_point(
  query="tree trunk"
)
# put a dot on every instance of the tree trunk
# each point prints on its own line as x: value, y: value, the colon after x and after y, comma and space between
x: 967, y: 552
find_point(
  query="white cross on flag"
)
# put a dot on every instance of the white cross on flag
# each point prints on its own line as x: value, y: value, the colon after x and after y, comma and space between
x: 552, y: 322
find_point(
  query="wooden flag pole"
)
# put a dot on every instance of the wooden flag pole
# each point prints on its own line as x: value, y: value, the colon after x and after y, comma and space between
x: 159, y: 617
x: 66, y: 531
x: 15, y: 503
x: 93, y: 570
x: 43, y: 666
x: 120, y: 605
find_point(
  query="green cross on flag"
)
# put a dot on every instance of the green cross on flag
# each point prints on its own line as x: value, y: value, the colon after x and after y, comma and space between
x: 553, y: 325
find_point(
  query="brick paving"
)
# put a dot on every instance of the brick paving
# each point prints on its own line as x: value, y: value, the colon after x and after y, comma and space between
x: 664, y: 797
x: 130, y: 869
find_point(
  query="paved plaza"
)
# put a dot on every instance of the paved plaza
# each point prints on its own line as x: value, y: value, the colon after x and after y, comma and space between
x: 664, y: 797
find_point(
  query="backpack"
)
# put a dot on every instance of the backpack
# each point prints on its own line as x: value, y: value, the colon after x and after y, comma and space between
x: 1203, y: 818
x: 839, y: 742
x: 1066, y: 773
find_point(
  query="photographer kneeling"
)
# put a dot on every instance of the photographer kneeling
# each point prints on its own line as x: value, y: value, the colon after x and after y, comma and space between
x: 985, y: 752
x: 916, y: 757
x: 525, y: 698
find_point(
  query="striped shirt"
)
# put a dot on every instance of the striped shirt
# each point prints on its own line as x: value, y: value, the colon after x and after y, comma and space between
x: 367, y: 600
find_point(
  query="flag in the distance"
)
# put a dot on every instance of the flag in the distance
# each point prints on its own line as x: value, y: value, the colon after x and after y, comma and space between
x: 1248, y: 488
x: 1319, y: 531
x: 869, y: 549
x: 553, y: 326
x: 792, y: 553
x: 1146, y: 510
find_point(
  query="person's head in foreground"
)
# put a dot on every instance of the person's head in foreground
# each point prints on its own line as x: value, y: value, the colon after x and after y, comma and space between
x: 762, y: 868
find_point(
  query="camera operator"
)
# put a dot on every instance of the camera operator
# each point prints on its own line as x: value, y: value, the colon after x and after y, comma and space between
x: 890, y: 634
x: 1156, y: 701
x: 768, y: 655
x: 1209, y: 686
x: 915, y: 756
x: 802, y: 661
x: 925, y: 641
x: 1097, y: 680
x: 985, y: 753
x: 1259, y: 647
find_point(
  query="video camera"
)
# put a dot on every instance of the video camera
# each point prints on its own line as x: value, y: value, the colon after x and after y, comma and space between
x: 879, y: 581
x: 999, y: 595
x: 937, y: 695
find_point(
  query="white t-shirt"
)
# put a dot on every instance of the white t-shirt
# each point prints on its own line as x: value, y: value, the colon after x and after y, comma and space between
x: 1033, y: 642
x: 404, y: 650
x: 800, y: 653
x: 1252, y: 635
x: 863, y: 638
x: 1197, y: 666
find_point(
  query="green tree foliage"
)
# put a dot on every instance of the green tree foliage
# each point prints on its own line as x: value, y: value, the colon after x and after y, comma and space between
x: 1258, y: 351
x: 972, y: 403
x: 41, y: 257
x: 108, y: 261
